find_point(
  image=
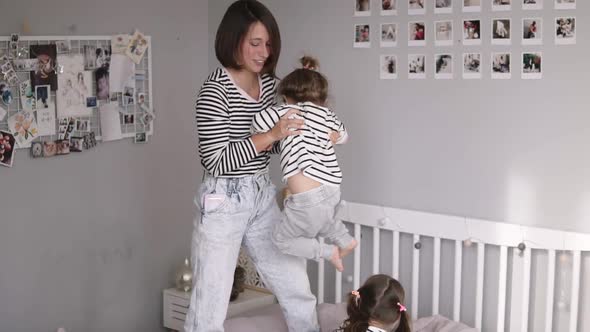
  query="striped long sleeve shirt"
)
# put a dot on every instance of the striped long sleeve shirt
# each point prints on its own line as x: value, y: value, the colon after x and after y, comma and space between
x: 311, y: 152
x: 224, y: 115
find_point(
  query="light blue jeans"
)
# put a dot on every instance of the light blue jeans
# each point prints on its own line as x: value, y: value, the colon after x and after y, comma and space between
x: 247, y: 216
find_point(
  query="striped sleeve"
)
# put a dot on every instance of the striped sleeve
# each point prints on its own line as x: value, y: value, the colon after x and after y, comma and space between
x: 219, y: 154
x: 265, y: 120
x: 337, y: 125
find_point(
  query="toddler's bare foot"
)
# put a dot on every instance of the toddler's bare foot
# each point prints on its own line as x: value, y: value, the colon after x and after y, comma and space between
x: 349, y: 249
x: 336, y: 260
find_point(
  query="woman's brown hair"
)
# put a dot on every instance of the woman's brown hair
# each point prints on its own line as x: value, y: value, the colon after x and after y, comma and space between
x: 305, y: 84
x: 381, y: 300
x: 233, y: 28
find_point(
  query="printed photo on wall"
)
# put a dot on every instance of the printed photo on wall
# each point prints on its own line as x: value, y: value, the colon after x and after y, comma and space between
x: 140, y: 138
x: 5, y: 93
x: 471, y: 6
x: 471, y: 65
x: 42, y: 96
x: 416, y: 7
x: 388, y: 7
x: 565, y: 30
x: 532, y: 65
x: 416, y: 34
x: 7, y: 146
x: 119, y: 43
x: 23, y: 126
x: 471, y: 32
x: 532, y: 31
x: 501, y: 5
x: 443, y: 6
x: 565, y: 4
x: 75, y: 84
x: 63, y: 46
x: 388, y: 67
x: 37, y: 149
x: 416, y: 66
x: 443, y: 33
x: 76, y: 144
x: 96, y: 57
x: 362, y: 36
x: 532, y: 4
x: 82, y: 125
x: 362, y: 7
x: 138, y: 44
x: 49, y: 148
x: 388, y: 34
x: 46, y: 120
x: 25, y: 64
x: 101, y: 75
x: 128, y: 119
x: 501, y: 31
x: 443, y: 66
x: 501, y: 66
x: 45, y: 71
x: 63, y: 146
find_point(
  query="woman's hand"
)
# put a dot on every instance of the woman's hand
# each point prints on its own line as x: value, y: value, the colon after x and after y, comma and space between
x: 334, y: 137
x: 288, y: 125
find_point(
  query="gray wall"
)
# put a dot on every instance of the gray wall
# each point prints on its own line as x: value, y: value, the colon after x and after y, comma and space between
x: 511, y: 151
x: 88, y: 241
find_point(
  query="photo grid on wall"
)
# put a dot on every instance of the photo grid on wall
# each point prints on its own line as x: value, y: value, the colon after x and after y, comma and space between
x: 457, y: 39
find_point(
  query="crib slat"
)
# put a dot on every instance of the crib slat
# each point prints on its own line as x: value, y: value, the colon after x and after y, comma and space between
x: 338, y: 291
x: 321, y: 268
x: 502, y: 288
x: 526, y: 280
x: 458, y: 266
x: 436, y: 276
x: 550, y: 291
x: 415, y: 278
x: 376, y: 249
x: 395, y: 248
x: 479, y: 290
x: 575, y: 290
x: 357, y: 257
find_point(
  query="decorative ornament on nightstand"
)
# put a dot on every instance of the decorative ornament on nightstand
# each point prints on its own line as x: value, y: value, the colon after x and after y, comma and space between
x: 184, y: 277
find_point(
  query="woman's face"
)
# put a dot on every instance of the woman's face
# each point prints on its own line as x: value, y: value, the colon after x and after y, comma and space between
x: 255, y: 48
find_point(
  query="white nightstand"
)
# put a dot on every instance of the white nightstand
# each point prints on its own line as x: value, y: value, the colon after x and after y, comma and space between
x: 176, y: 305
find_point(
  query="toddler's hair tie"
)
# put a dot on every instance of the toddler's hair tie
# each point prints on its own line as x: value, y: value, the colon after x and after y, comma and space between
x: 357, y: 296
x: 401, y: 307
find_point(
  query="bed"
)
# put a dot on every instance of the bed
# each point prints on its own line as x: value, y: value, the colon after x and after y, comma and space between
x: 460, y: 274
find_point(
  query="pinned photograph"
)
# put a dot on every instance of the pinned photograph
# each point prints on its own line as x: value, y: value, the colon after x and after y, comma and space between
x: 49, y: 148
x: 532, y: 31
x: 471, y: 6
x: 471, y: 65
x: 146, y: 118
x: 3, y: 113
x: 141, y: 98
x: 119, y: 43
x: 140, y: 138
x: 7, y: 143
x: 96, y: 57
x: 443, y: 35
x: 75, y: 84
x: 66, y: 127
x: 531, y: 65
x: 5, y: 93
x: 91, y: 102
x: 89, y: 141
x: 110, y: 122
x: 138, y: 44
x: 532, y: 4
x: 46, y: 121
x: 82, y: 125
x: 362, y: 34
x: 24, y: 128
x: 416, y: 34
x: 501, y: 66
x: 101, y: 76
x: 63, y: 146
x: 44, y: 74
x: 128, y: 96
x: 443, y: 6
x: 76, y: 144
x: 443, y: 66
x: 42, y: 96
x: 471, y: 32
x: 8, y: 70
x: 128, y: 119
x: 416, y: 66
x: 416, y: 7
x: 25, y: 64
x: 63, y: 46
x: 565, y: 4
x: 388, y: 7
x: 362, y: 7
x: 501, y: 31
x: 388, y: 34
x: 565, y: 30
x: 501, y: 5
x: 37, y: 149
x: 388, y: 67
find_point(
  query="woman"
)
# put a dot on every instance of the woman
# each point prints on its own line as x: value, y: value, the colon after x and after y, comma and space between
x: 237, y: 199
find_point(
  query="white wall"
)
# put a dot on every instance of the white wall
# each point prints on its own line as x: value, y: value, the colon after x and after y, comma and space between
x: 88, y: 241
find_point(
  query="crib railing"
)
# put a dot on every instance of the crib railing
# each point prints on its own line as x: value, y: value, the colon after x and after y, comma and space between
x: 466, y: 232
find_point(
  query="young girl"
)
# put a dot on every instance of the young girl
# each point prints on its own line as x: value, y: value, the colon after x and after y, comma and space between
x: 310, y: 169
x: 378, y: 306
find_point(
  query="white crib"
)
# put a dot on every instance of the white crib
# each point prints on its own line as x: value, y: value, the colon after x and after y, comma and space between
x: 513, y: 294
